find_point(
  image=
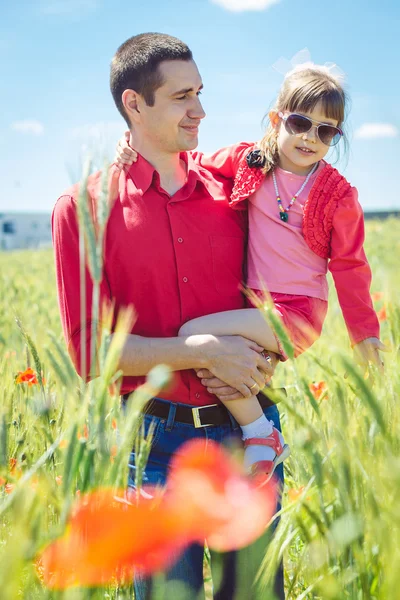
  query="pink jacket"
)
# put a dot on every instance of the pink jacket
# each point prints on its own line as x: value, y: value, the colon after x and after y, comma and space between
x: 333, y: 227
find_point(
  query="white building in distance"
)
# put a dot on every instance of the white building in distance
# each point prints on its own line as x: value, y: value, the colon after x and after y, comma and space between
x: 20, y: 230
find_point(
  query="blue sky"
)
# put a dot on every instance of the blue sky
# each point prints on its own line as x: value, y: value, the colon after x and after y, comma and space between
x: 55, y: 98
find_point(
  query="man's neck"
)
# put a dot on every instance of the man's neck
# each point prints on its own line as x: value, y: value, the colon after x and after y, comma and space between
x: 170, y: 167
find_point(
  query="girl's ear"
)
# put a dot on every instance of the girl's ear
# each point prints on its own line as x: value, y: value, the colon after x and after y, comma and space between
x: 274, y: 118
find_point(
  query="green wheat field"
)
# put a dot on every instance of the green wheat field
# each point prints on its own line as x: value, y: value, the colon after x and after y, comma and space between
x: 339, y: 533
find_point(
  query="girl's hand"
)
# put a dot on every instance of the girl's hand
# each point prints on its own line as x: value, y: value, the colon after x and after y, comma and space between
x: 221, y: 389
x: 125, y: 155
x: 367, y: 352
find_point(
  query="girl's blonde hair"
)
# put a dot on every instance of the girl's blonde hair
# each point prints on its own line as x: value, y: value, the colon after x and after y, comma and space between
x: 301, y: 91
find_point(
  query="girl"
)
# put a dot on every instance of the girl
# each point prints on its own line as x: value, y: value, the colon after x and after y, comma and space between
x: 304, y: 218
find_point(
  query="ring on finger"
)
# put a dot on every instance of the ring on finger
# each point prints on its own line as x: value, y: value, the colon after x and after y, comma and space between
x: 252, y: 386
x: 267, y: 357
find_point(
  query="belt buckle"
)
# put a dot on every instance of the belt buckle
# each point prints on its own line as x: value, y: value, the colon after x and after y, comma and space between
x: 196, y: 416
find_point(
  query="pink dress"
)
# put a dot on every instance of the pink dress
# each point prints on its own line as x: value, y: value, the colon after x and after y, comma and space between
x: 280, y: 261
x: 325, y: 231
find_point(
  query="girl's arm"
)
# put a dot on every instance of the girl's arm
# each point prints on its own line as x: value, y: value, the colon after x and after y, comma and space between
x: 223, y: 162
x: 248, y: 323
x: 352, y: 276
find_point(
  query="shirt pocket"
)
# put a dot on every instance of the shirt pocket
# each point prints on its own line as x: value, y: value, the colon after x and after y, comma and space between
x: 227, y: 254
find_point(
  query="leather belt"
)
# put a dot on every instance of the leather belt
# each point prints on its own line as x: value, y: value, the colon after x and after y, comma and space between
x: 198, y: 416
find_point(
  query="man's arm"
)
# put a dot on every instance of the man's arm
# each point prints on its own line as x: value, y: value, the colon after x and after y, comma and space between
x: 76, y: 324
x: 235, y: 360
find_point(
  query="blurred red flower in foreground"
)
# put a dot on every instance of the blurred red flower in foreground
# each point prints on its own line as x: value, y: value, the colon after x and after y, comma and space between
x: 318, y: 388
x: 206, y: 496
x: 28, y: 376
x: 234, y: 508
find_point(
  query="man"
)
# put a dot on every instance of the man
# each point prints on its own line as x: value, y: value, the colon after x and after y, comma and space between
x: 174, y: 250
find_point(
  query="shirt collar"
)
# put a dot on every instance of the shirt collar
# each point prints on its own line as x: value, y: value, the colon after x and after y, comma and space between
x: 142, y: 172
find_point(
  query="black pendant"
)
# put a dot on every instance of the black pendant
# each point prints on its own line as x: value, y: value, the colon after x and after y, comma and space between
x: 284, y: 216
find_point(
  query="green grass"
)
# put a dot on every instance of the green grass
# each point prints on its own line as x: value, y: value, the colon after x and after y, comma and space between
x: 340, y: 525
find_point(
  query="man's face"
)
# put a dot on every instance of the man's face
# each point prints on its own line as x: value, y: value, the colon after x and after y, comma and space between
x: 171, y: 125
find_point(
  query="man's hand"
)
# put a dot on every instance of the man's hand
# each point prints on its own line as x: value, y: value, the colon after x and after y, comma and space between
x: 225, y: 393
x: 125, y: 154
x: 234, y: 360
x: 367, y: 352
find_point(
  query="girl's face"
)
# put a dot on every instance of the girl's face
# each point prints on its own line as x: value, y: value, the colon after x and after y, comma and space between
x: 298, y: 153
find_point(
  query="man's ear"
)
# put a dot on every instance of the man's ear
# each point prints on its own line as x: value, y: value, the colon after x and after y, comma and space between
x: 131, y: 102
x: 274, y: 118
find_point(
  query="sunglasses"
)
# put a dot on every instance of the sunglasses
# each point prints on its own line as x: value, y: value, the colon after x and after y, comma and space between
x: 297, y: 124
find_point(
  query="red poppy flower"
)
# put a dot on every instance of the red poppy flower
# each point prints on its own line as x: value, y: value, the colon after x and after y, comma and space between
x: 15, y: 470
x: 318, y: 388
x: 108, y: 538
x: 28, y: 376
x: 295, y: 493
x: 376, y: 296
x: 83, y: 434
x: 235, y: 509
x: 381, y: 314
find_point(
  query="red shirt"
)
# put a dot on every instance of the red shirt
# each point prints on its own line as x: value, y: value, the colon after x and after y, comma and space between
x: 173, y: 258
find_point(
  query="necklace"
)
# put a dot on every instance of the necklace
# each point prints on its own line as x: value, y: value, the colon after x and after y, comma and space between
x: 284, y: 212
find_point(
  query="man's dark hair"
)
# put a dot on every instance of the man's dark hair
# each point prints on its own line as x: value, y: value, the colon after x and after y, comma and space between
x: 135, y: 65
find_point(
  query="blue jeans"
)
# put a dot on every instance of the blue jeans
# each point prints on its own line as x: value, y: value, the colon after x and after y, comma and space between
x: 167, y: 437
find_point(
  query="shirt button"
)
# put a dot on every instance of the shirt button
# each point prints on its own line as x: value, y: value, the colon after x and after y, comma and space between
x: 180, y: 240
x: 185, y: 279
x: 197, y: 395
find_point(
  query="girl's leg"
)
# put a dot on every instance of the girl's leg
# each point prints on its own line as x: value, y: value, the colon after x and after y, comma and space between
x: 248, y: 413
x: 247, y: 322
x: 255, y: 426
x: 244, y: 410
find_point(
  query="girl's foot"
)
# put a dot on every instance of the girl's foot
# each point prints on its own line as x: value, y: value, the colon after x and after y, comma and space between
x: 264, y: 446
x: 263, y: 455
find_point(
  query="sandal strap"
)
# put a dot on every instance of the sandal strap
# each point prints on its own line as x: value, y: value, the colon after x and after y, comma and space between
x: 273, y: 441
x: 263, y: 466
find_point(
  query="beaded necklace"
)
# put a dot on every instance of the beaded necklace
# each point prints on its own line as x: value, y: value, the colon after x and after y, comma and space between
x: 284, y: 212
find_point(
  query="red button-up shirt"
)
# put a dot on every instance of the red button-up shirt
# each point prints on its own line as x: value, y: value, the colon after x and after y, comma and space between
x: 173, y: 258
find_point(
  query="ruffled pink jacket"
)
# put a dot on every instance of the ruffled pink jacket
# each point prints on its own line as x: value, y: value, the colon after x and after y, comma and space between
x: 333, y: 227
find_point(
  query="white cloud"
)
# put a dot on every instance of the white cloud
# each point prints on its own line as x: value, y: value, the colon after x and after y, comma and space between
x: 28, y: 126
x: 243, y: 5
x: 67, y: 7
x: 369, y: 131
